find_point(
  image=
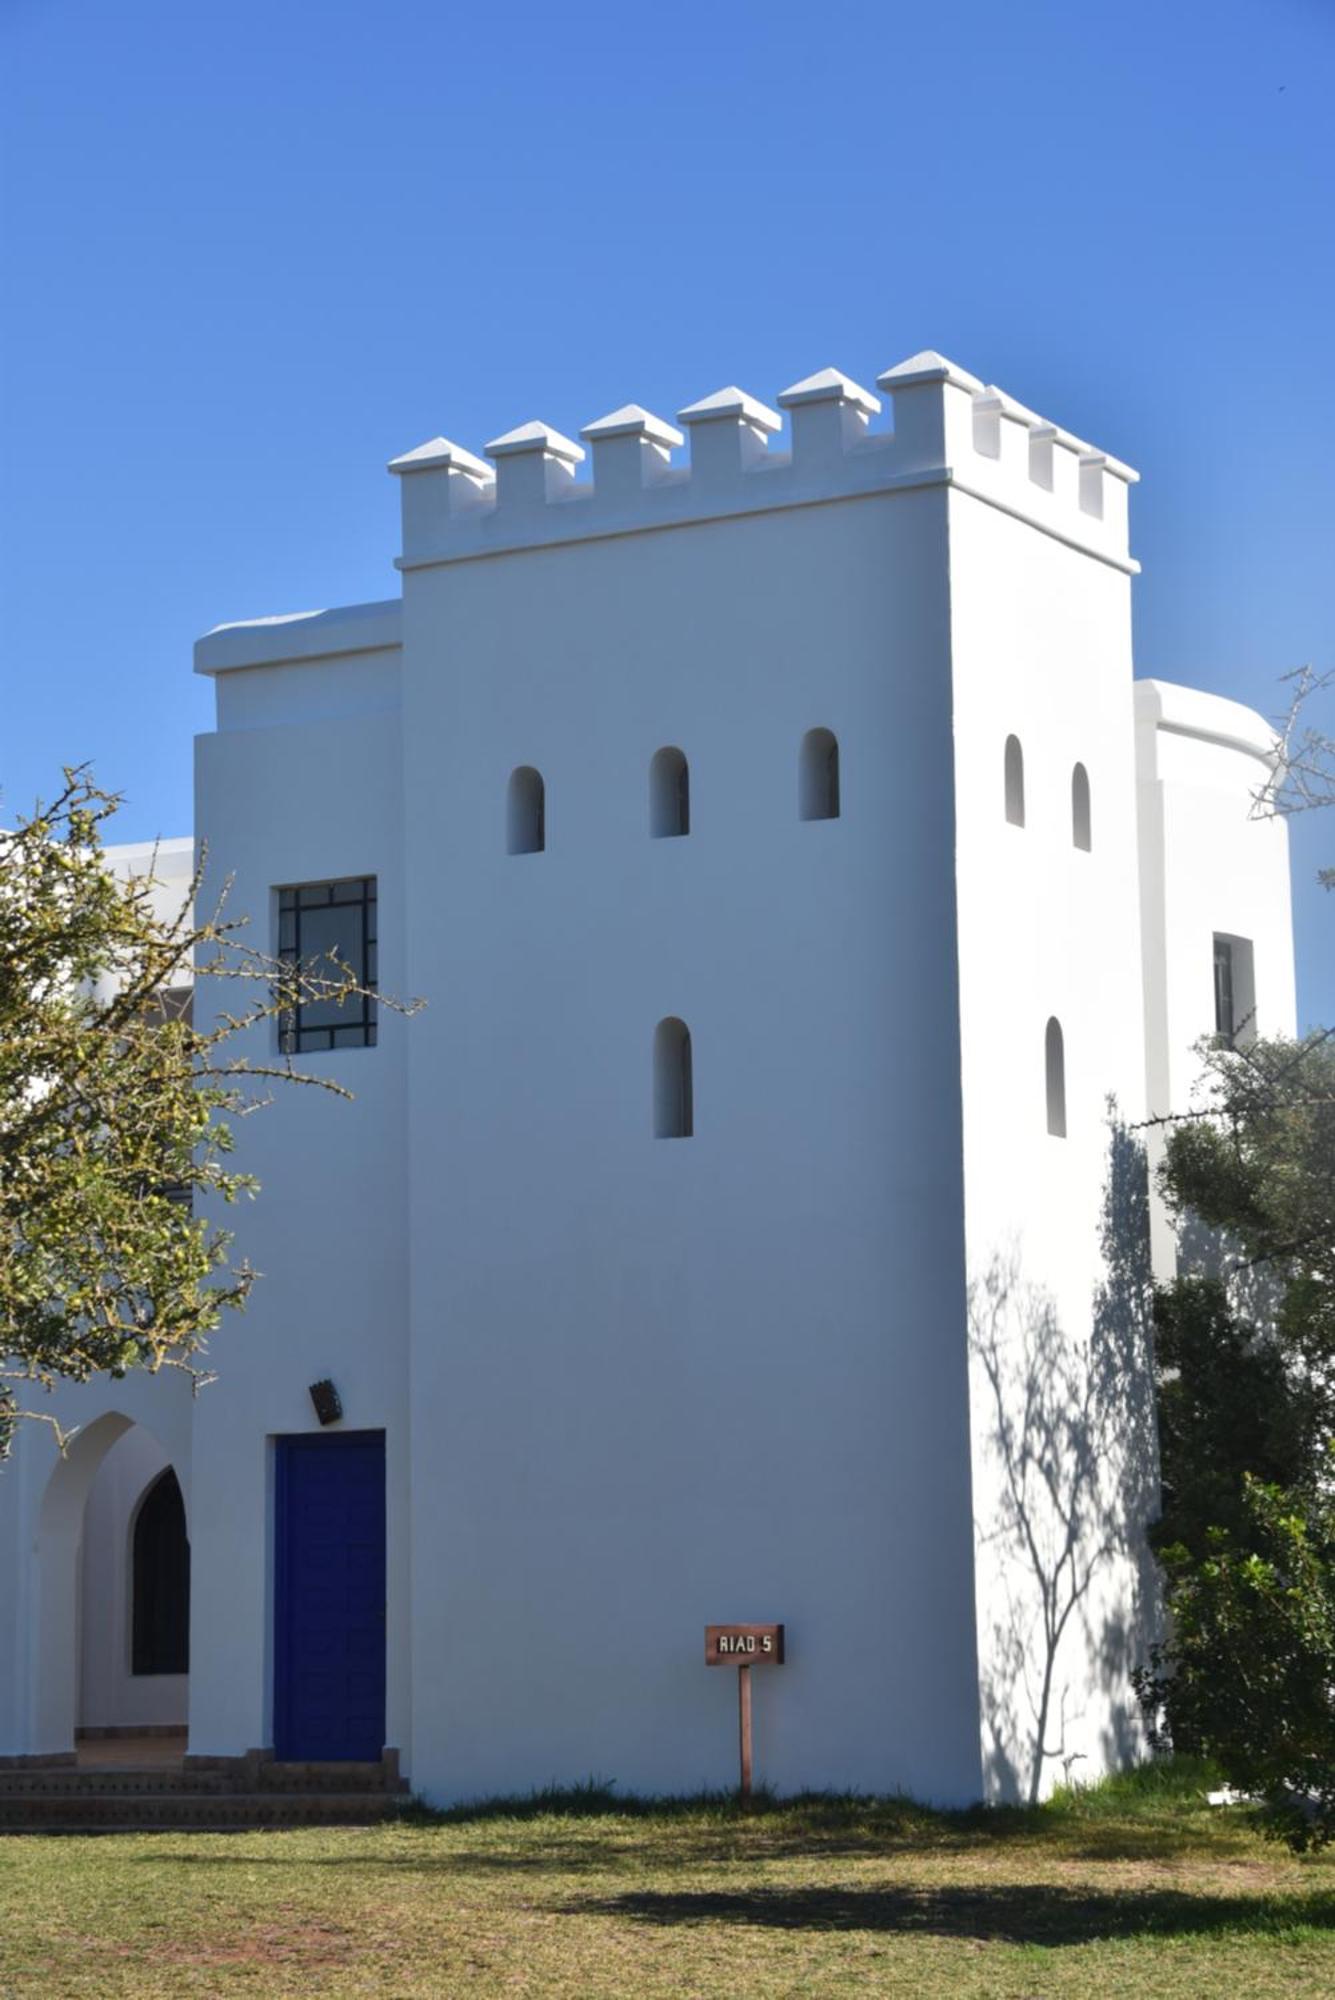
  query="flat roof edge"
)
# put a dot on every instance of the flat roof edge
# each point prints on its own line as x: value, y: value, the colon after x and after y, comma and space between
x: 301, y: 635
x: 1213, y: 718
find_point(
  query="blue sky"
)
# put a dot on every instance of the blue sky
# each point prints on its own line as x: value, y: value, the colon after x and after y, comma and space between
x: 253, y: 248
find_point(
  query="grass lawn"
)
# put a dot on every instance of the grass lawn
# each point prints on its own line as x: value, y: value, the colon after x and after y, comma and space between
x: 1136, y: 1888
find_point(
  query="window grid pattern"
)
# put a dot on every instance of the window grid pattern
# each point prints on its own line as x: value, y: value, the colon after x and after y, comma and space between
x: 301, y: 1029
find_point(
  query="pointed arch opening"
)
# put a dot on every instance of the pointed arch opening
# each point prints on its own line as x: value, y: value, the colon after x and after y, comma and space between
x: 526, y: 812
x: 669, y: 794
x: 1014, y: 781
x: 160, y: 1581
x: 674, y: 1095
x: 1054, y: 1063
x: 1082, y: 835
x: 818, y: 775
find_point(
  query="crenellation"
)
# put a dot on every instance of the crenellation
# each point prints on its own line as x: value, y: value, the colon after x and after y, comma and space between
x: 933, y: 411
x: 729, y: 435
x: 830, y: 415
x: 947, y: 426
x: 440, y: 482
x: 987, y: 424
x: 1091, y: 483
x: 534, y: 464
x: 632, y: 449
x: 1041, y: 440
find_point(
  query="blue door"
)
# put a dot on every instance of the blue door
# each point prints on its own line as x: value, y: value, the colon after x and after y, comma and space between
x: 329, y: 1611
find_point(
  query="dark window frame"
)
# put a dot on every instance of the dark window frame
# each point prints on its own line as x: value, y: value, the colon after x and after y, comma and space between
x: 1225, y: 992
x: 358, y: 1029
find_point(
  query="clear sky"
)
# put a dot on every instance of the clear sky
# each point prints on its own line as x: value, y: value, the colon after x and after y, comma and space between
x: 253, y: 248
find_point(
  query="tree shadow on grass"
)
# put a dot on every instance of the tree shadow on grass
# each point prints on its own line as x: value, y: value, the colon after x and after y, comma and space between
x: 1156, y: 1812
x: 1038, y: 1915
x: 630, y: 1850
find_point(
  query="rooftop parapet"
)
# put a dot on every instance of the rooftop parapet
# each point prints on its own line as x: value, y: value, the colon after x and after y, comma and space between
x: 948, y: 428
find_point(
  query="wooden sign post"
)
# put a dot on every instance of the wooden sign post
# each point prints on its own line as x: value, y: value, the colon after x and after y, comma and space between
x: 744, y: 1647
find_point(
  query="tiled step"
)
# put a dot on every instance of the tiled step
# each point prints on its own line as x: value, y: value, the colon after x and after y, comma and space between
x: 88, y: 1783
x: 377, y: 1777
x: 168, y: 1811
x: 283, y: 1780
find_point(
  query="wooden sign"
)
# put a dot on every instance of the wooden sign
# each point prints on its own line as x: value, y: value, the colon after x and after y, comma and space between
x: 743, y: 1645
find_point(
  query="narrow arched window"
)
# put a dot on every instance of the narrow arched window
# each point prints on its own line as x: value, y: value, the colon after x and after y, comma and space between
x: 669, y: 794
x: 1014, y: 781
x: 526, y: 812
x: 818, y: 775
x: 674, y: 1108
x: 160, y: 1604
x: 1054, y: 1063
x: 1081, y: 831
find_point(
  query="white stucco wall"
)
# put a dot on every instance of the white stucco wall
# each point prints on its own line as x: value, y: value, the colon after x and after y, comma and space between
x: 166, y: 868
x: 1061, y: 1401
x: 301, y: 783
x: 658, y: 1383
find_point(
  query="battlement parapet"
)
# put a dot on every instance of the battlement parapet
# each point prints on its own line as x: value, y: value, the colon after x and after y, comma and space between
x: 948, y: 427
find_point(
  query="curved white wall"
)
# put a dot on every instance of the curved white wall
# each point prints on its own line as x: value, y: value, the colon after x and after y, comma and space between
x: 1209, y: 865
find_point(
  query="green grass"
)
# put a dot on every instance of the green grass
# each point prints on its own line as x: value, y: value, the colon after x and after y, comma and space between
x: 1134, y: 1887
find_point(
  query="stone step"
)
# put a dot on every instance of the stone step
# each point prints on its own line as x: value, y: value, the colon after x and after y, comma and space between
x: 351, y: 1777
x: 175, y: 1811
x: 89, y: 1783
x: 227, y: 1777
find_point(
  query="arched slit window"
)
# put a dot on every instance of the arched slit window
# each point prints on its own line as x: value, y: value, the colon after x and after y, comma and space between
x: 818, y: 775
x: 674, y: 1108
x: 669, y: 794
x: 526, y: 812
x: 1081, y: 830
x: 1014, y: 781
x: 160, y: 1585
x: 1054, y: 1062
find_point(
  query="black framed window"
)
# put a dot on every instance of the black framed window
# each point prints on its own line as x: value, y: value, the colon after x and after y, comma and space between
x: 321, y: 922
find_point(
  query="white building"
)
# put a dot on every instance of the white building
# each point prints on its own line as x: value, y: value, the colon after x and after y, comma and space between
x: 793, y: 876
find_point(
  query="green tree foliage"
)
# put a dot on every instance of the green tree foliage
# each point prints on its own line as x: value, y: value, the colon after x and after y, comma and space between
x: 1247, y: 1433
x: 1250, y: 1670
x: 117, y: 1099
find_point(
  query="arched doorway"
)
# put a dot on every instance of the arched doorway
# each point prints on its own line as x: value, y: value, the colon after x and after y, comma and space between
x: 83, y: 1633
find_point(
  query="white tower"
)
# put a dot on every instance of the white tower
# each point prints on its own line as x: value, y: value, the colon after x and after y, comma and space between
x: 752, y: 1226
